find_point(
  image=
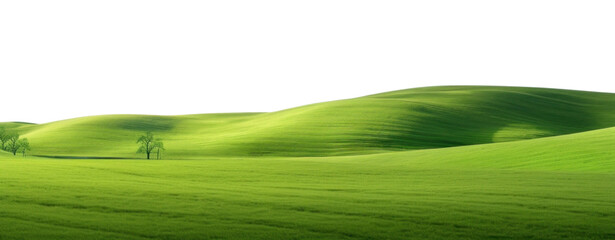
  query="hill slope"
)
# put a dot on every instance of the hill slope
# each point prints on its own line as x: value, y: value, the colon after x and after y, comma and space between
x: 421, y: 118
x: 557, y: 187
x: 592, y: 151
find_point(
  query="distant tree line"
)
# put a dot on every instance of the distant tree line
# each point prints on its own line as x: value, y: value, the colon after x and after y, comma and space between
x: 10, y: 141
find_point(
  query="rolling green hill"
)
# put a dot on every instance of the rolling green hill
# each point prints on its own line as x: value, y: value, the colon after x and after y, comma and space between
x: 426, y: 163
x: 591, y: 151
x: 421, y: 118
x: 560, y: 187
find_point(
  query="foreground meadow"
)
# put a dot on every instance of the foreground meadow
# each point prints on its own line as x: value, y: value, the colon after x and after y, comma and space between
x: 297, y: 198
x: 455, y: 162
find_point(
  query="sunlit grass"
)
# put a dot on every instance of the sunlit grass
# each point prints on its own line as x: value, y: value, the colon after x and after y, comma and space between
x: 517, y: 163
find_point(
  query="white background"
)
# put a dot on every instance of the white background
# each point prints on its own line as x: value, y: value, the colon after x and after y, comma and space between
x: 64, y: 59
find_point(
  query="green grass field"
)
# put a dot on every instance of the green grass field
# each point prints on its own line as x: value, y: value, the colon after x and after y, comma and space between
x: 427, y: 163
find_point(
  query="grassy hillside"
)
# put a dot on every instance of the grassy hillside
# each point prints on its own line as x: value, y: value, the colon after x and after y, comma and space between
x: 427, y: 163
x: 592, y: 151
x: 421, y: 118
x: 549, y: 188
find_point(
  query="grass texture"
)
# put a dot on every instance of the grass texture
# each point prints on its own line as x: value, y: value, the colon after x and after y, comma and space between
x: 428, y: 163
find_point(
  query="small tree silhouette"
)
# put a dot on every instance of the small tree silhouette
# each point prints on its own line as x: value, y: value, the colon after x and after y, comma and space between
x: 149, y: 144
x: 24, y: 146
x: 159, y: 146
x: 4, y: 137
